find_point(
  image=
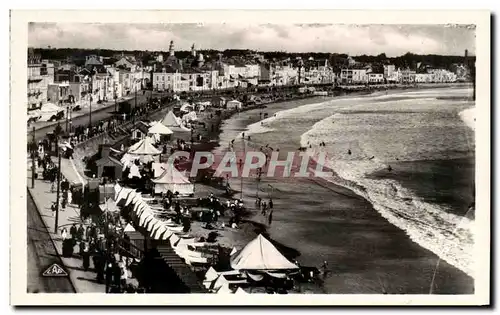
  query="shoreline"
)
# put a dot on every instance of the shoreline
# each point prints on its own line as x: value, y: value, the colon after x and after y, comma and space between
x: 255, y: 219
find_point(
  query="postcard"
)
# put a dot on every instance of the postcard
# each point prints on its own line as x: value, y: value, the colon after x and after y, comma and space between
x: 250, y: 158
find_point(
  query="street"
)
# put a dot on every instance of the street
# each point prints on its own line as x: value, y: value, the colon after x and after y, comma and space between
x: 98, y: 113
x: 41, y: 255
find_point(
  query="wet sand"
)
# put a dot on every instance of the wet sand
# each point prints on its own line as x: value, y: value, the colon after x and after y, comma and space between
x: 325, y: 222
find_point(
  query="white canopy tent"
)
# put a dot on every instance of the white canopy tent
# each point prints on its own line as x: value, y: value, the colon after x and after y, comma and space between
x: 170, y: 120
x: 173, y: 122
x: 159, y: 129
x: 144, y: 147
x: 171, y: 179
x: 128, y: 228
x: 260, y: 254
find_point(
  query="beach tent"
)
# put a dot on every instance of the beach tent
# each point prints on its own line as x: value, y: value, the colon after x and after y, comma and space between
x: 240, y: 291
x: 173, y: 180
x: 145, y: 147
x: 129, y: 228
x: 170, y: 120
x: 160, y: 129
x: 234, y: 104
x: 224, y: 289
x: 260, y: 254
x: 211, y: 274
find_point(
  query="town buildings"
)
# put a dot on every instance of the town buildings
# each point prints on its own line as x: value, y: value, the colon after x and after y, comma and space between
x: 40, y: 75
x: 104, y: 79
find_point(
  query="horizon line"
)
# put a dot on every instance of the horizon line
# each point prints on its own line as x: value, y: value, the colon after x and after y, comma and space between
x: 256, y: 51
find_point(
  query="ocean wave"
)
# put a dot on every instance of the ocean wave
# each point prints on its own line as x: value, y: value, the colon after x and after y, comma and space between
x: 447, y: 235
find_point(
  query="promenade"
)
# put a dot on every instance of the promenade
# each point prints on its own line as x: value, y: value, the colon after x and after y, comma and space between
x: 83, y: 281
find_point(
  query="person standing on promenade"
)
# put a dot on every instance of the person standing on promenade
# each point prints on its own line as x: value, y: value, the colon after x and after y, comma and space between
x: 73, y: 231
x: 80, y: 233
x: 109, y: 276
x: 86, y: 256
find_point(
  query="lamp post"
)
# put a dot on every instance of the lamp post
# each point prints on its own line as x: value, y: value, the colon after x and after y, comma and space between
x: 68, y: 107
x: 135, y: 105
x: 90, y: 103
x: 58, y: 182
x: 116, y: 97
x: 240, y: 163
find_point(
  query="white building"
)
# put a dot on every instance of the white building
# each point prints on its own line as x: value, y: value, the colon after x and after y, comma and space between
x: 389, y: 71
x: 354, y: 76
x: 40, y: 75
x: 376, y: 78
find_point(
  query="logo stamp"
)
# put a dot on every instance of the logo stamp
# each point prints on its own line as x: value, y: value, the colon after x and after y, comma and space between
x: 55, y: 271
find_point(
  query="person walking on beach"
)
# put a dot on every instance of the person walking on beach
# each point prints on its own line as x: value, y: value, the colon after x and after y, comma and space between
x: 270, y: 218
x: 324, y: 269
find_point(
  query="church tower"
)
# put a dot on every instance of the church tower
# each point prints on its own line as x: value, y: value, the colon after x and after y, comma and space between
x: 171, y: 49
x: 193, y: 51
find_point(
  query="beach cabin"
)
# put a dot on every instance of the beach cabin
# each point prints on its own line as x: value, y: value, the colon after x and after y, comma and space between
x: 234, y: 104
x: 140, y: 131
x: 108, y: 166
x: 218, y: 101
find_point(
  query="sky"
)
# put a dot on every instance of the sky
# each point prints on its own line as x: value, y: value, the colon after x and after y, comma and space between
x: 393, y: 40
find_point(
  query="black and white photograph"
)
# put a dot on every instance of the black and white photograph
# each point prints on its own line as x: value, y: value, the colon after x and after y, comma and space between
x: 263, y: 158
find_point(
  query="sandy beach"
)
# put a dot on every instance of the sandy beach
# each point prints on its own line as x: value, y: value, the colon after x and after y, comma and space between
x: 316, y: 221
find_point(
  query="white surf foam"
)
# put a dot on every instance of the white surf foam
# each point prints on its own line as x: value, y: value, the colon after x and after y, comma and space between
x: 447, y: 235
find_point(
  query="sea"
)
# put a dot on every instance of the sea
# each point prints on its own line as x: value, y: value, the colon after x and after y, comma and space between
x: 408, y: 155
